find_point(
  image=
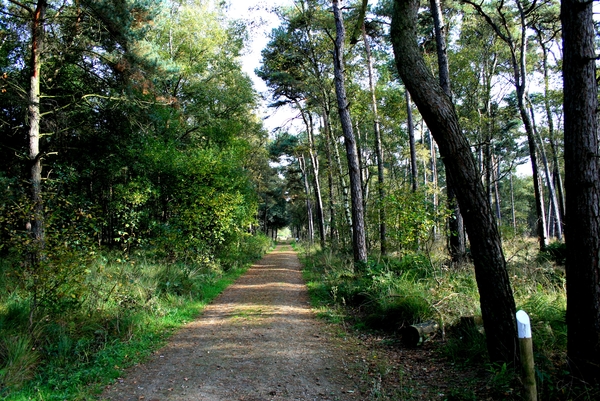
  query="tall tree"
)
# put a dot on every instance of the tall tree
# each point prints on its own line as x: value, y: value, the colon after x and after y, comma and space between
x: 582, y: 184
x: 457, y: 240
x: 517, y: 45
x: 378, y: 145
x: 497, y: 303
x: 359, y: 243
x: 546, y: 32
x: 38, y: 20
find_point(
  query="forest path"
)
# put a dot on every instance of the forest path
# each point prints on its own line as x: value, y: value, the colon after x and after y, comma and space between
x: 259, y: 340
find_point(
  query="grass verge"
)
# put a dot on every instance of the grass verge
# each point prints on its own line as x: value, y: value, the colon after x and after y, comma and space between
x: 124, y: 309
x: 388, y: 294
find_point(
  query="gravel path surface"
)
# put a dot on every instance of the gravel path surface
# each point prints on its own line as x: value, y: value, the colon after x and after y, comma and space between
x: 259, y: 340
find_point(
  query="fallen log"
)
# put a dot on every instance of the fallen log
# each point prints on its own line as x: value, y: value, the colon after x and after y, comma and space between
x: 417, y: 334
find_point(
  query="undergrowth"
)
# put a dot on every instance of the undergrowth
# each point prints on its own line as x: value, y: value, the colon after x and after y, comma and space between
x: 127, y: 306
x: 389, y: 293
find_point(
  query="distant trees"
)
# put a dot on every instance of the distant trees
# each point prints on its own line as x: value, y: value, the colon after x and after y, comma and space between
x: 490, y: 53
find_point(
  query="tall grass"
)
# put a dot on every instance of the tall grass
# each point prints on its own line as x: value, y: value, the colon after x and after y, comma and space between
x: 126, y: 307
x: 410, y: 288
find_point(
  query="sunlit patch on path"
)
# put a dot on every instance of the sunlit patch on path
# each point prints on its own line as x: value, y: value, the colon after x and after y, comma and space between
x: 259, y: 340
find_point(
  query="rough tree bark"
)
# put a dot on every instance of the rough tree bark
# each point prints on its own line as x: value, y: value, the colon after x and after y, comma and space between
x: 359, y: 242
x: 497, y: 303
x: 582, y: 186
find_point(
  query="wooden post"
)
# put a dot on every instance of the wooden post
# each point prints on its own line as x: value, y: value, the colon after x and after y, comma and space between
x: 526, y: 347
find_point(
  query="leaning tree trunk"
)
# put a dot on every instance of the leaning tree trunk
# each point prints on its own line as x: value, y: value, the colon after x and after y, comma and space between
x: 582, y: 185
x: 497, y: 303
x: 359, y: 242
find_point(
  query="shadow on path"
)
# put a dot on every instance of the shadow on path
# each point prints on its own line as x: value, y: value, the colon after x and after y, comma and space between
x: 259, y: 340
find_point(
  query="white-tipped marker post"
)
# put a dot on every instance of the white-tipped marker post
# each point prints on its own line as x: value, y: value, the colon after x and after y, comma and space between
x: 526, y: 347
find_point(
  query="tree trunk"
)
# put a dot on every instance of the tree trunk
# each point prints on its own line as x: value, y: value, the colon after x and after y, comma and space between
x: 512, y: 204
x: 36, y: 225
x: 378, y: 147
x: 359, y: 243
x: 551, y: 134
x: 582, y: 182
x: 497, y: 303
x: 411, y: 140
x: 549, y: 182
x: 497, y: 200
x: 363, y: 161
x: 434, y: 177
x: 309, y: 212
x: 456, y: 239
x: 314, y: 161
x: 520, y: 76
x: 332, y: 221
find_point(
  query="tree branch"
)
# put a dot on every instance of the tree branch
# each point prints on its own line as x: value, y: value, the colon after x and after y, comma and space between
x: 489, y: 20
x: 17, y: 3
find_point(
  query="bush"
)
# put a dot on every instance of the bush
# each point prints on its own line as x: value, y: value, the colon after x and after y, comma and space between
x: 556, y: 252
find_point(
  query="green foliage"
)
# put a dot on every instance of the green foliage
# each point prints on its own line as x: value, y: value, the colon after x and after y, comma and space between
x: 503, y: 380
x: 386, y: 296
x: 411, y: 217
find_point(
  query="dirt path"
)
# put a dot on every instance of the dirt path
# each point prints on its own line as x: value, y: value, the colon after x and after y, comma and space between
x: 259, y: 340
